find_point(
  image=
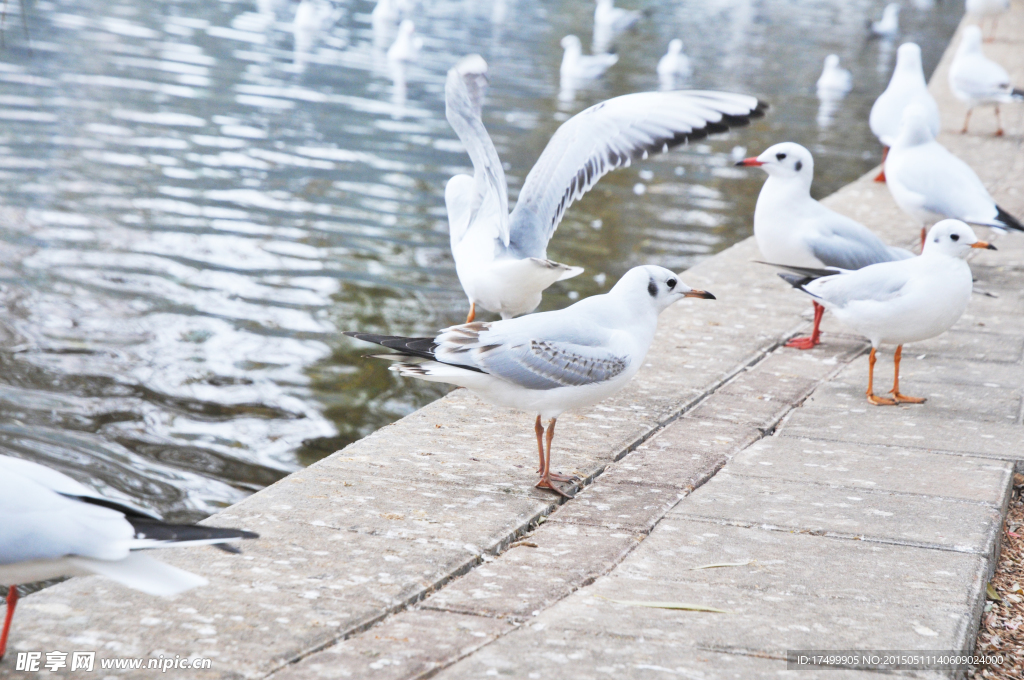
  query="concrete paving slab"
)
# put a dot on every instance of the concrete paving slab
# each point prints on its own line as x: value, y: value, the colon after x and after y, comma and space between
x: 546, y: 566
x: 547, y: 653
x: 952, y: 371
x: 803, y: 564
x: 756, y: 621
x: 871, y: 515
x: 623, y: 507
x: 882, y: 468
x: 897, y: 426
x: 411, y: 644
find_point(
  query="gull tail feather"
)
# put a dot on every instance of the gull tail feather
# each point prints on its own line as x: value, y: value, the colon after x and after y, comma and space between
x: 144, y: 573
x: 810, y: 273
x: 1008, y: 219
x: 799, y: 282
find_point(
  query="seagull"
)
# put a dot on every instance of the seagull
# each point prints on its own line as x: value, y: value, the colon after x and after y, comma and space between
x: 550, y: 362
x: 976, y: 80
x: 794, y: 230
x: 577, y: 67
x: 615, y: 19
x: 501, y: 259
x: 904, y: 301
x: 987, y: 8
x: 834, y: 81
x: 312, y: 17
x: 51, y: 526
x: 673, y: 65
x: 407, y: 44
x: 929, y: 183
x: 889, y: 24
x: 906, y: 86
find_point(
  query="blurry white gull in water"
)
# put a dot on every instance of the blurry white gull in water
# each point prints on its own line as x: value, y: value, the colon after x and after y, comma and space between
x: 674, y: 64
x: 834, y: 79
x: 903, y: 301
x: 609, y: 21
x: 976, y: 80
x: 312, y: 19
x: 501, y: 258
x: 906, y: 87
x: 550, y: 362
x: 51, y: 527
x: 929, y: 183
x: 889, y: 25
x: 794, y: 230
x: 407, y: 44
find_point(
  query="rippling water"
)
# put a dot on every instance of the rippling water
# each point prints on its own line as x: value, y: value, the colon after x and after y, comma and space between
x: 192, y: 212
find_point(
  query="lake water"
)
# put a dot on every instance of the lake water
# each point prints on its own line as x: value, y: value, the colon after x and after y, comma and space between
x: 191, y: 214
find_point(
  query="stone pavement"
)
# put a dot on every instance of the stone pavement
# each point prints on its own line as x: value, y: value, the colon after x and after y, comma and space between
x: 423, y: 551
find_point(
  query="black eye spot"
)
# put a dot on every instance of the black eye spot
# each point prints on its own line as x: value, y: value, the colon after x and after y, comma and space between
x: 652, y: 288
x: 781, y: 156
x: 954, y: 237
x: 799, y: 165
x: 671, y: 283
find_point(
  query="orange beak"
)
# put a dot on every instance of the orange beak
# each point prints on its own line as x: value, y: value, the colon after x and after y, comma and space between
x: 702, y: 294
x: 983, y: 244
x: 750, y: 162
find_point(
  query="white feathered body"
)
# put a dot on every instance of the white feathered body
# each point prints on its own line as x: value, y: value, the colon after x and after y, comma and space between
x: 935, y: 292
x: 986, y: 8
x: 907, y: 86
x: 974, y: 78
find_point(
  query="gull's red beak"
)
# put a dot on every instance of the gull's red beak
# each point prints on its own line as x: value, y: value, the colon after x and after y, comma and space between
x: 750, y: 162
x: 983, y: 244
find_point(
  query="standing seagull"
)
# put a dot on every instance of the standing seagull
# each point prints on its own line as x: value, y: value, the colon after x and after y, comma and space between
x: 550, y: 362
x: 501, y: 259
x: 929, y: 183
x: 794, y: 230
x: 976, y: 80
x: 51, y: 526
x: 907, y: 86
x: 987, y: 8
x: 899, y: 302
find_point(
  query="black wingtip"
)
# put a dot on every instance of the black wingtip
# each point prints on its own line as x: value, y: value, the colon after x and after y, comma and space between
x: 795, y: 280
x: 1008, y: 219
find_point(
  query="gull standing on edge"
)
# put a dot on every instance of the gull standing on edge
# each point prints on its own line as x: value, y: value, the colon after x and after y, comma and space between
x: 930, y: 184
x: 674, y: 64
x: 907, y: 86
x: 895, y: 303
x: 889, y: 24
x: 51, y: 526
x: 976, y: 80
x: 501, y: 259
x: 550, y: 362
x: 987, y: 8
x: 794, y: 230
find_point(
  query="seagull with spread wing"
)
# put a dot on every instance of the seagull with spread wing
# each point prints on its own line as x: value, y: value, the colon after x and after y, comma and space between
x: 550, y: 362
x: 52, y: 526
x: 501, y: 258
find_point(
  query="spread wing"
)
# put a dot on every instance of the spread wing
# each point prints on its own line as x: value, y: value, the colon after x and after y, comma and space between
x: 463, y: 92
x: 610, y: 135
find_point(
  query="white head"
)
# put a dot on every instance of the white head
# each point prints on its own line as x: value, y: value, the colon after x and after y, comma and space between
x: 605, y: 3
x: 971, y: 41
x: 571, y: 43
x: 656, y: 286
x: 914, y: 126
x: 891, y: 11
x: 785, y: 161
x: 954, y: 239
x: 675, y: 46
x: 831, y: 62
x: 908, y: 59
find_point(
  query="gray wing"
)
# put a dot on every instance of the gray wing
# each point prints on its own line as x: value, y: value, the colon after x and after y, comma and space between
x: 463, y: 93
x: 848, y: 244
x: 876, y: 283
x: 532, y: 363
x: 610, y: 135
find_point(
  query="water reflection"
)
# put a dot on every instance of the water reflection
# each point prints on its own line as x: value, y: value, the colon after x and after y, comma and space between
x: 198, y: 197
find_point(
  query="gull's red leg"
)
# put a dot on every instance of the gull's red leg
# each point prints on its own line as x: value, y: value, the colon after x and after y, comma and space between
x: 897, y: 397
x: 872, y: 397
x: 880, y: 177
x: 547, y: 480
x: 999, y: 123
x: 12, y: 602
x: 539, y: 429
x: 924, y: 236
x: 472, y: 312
x: 966, y: 121
x: 815, y: 337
